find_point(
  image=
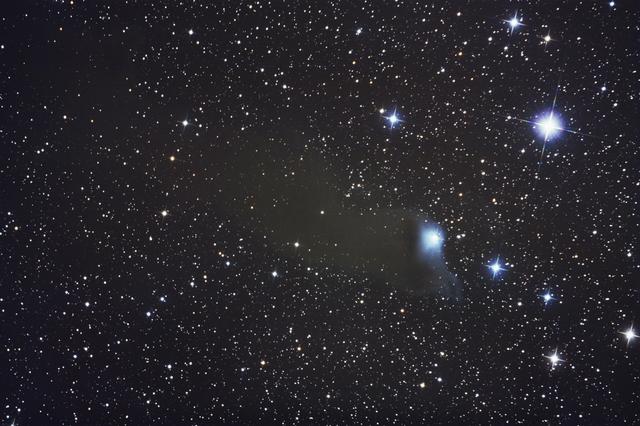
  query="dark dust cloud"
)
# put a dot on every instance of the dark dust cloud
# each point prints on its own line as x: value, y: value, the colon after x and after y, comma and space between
x: 331, y: 212
x: 295, y: 201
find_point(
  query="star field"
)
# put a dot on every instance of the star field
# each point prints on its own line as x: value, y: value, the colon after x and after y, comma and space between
x: 265, y: 212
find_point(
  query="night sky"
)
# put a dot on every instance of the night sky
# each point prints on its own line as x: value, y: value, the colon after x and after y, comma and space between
x: 325, y: 212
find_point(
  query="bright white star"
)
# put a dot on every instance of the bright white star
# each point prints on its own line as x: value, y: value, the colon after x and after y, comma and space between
x: 496, y: 267
x: 554, y: 358
x: 185, y: 123
x: 431, y: 239
x: 393, y: 119
x: 549, y: 126
x: 514, y: 22
x: 630, y: 334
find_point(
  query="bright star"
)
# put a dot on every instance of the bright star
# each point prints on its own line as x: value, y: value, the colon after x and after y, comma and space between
x: 496, y: 267
x: 554, y: 358
x: 547, y: 297
x: 629, y: 334
x: 185, y: 123
x: 393, y: 119
x: 431, y: 239
x: 549, y: 126
x: 514, y: 22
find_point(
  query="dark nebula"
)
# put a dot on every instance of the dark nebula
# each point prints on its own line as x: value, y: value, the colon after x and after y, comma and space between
x: 295, y: 201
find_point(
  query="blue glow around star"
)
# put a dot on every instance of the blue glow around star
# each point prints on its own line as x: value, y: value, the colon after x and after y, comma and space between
x: 547, y: 297
x: 431, y: 239
x: 495, y: 267
x: 514, y: 22
x: 393, y: 119
x: 549, y: 125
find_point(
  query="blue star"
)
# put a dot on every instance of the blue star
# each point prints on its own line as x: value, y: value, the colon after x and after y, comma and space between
x: 547, y: 297
x: 431, y: 239
x: 496, y: 267
x: 549, y: 126
x: 514, y: 22
x: 393, y: 119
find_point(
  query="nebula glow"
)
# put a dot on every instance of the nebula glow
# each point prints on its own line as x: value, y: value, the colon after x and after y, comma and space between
x: 431, y: 239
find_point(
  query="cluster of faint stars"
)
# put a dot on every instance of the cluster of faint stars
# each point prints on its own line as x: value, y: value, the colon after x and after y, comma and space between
x: 547, y: 127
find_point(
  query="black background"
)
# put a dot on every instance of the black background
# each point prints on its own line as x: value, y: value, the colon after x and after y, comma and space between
x: 93, y: 95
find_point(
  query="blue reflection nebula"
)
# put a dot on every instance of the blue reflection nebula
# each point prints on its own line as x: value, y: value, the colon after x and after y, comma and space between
x: 431, y: 239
